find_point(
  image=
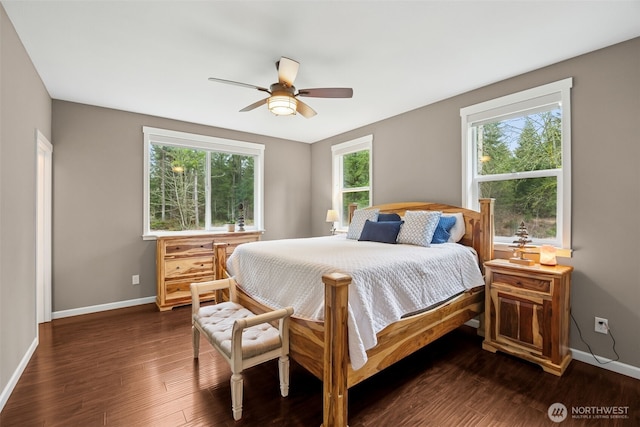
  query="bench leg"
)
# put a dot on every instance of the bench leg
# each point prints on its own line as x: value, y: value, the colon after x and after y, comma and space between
x: 195, y: 335
x: 236, y: 396
x: 283, y: 368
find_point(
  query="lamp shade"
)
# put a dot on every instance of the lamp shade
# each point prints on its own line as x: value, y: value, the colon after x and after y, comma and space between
x: 282, y: 105
x: 332, y: 215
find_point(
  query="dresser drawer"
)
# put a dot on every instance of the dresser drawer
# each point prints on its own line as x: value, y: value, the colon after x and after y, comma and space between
x: 530, y: 283
x: 189, y: 247
x: 180, y: 288
x: 188, y: 267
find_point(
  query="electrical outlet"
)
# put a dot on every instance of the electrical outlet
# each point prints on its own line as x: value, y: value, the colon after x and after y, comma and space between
x: 135, y: 279
x: 602, y: 325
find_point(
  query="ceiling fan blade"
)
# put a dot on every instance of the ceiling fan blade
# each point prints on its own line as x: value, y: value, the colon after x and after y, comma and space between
x: 254, y: 105
x: 327, y: 92
x: 230, y: 82
x: 287, y: 71
x: 305, y: 110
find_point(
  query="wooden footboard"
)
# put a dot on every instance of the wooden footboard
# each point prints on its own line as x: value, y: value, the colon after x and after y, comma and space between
x: 310, y: 339
x: 307, y: 340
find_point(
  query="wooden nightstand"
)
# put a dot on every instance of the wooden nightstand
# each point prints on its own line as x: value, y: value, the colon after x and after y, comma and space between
x: 527, y: 312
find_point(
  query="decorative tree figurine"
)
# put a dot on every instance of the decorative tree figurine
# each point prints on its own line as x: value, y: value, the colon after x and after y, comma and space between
x: 523, y: 236
x: 240, y: 217
x: 523, y: 239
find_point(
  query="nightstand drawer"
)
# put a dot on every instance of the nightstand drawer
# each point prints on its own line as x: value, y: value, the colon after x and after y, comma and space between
x: 531, y: 283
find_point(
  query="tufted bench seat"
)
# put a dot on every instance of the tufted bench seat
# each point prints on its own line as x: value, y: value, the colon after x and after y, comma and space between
x: 241, y: 337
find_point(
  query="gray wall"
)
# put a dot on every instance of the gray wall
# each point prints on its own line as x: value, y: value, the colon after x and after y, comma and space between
x: 25, y: 106
x: 97, y: 193
x: 417, y: 157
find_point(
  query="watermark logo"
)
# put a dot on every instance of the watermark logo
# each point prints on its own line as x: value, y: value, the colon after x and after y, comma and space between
x: 557, y: 412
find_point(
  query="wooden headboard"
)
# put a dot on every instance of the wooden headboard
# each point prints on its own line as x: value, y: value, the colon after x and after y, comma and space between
x: 478, y: 225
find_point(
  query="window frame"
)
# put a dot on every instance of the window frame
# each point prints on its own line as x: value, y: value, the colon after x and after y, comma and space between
x: 338, y: 151
x: 512, y: 105
x: 212, y: 144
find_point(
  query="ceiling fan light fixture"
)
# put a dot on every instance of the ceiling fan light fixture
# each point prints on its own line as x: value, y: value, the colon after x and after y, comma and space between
x: 282, y: 105
x: 283, y: 99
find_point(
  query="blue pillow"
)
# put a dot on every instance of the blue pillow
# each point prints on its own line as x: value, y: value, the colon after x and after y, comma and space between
x: 443, y: 229
x: 382, y: 217
x: 383, y: 232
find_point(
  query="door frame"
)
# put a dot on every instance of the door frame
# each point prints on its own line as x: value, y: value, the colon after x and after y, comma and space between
x: 44, y: 167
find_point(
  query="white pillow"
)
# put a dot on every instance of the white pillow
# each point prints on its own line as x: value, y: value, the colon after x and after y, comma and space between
x: 418, y: 227
x: 360, y: 216
x: 457, y: 231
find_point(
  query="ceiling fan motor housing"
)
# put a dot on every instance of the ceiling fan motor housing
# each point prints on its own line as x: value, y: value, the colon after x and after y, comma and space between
x: 281, y: 89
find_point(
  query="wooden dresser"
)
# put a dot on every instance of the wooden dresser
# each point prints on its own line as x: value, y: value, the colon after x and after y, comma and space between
x: 527, y: 312
x: 183, y: 260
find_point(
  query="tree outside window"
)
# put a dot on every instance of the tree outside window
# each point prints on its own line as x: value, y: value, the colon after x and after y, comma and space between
x: 506, y: 149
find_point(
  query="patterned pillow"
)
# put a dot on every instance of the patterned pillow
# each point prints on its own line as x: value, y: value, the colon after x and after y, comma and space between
x: 360, y: 216
x: 418, y: 227
x: 443, y: 230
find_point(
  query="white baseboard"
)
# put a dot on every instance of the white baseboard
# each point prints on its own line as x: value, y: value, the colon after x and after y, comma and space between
x: 101, y: 307
x: 4, y: 397
x: 582, y: 356
x: 474, y: 323
x: 619, y: 367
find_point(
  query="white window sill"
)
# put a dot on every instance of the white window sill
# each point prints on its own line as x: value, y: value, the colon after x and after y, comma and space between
x: 187, y: 233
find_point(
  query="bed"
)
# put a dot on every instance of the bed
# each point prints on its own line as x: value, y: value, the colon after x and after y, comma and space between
x: 327, y: 328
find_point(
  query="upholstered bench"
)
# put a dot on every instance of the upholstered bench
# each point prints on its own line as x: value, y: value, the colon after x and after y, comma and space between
x: 241, y: 337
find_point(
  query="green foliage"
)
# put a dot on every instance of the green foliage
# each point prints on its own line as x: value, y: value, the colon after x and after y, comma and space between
x: 231, y: 185
x: 178, y: 187
x: 355, y: 175
x: 527, y: 143
x: 356, y: 169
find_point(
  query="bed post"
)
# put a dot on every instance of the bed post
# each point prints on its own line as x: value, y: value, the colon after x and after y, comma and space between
x: 486, y: 232
x: 335, y: 350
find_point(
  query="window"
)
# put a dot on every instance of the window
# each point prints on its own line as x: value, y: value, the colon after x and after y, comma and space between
x: 351, y: 176
x: 195, y: 182
x: 516, y: 149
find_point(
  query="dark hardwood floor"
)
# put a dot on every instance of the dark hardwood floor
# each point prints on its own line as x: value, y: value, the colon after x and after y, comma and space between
x: 134, y: 367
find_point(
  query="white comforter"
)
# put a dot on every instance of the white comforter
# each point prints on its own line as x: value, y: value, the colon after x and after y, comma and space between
x: 389, y: 281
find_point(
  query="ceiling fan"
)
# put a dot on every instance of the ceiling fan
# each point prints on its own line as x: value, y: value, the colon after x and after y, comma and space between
x: 283, y: 99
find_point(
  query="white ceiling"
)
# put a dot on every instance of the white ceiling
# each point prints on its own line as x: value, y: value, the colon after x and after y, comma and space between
x: 154, y: 57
